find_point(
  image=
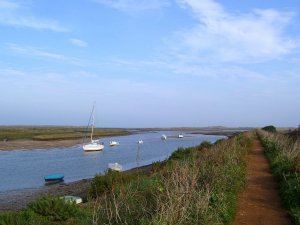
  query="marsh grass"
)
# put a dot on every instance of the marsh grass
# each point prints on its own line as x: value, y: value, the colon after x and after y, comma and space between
x: 195, y: 186
x: 54, y: 133
x: 284, y: 157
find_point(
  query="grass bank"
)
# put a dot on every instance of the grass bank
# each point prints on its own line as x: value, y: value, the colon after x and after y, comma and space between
x: 196, y: 185
x: 54, y: 133
x: 284, y: 157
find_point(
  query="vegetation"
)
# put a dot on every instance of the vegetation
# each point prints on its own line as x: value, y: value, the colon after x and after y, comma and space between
x: 196, y: 185
x: 284, y: 156
x: 48, y: 211
x: 294, y: 134
x: 53, y: 133
x: 270, y: 128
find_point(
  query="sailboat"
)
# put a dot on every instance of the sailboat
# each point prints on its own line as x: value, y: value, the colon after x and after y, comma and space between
x: 94, y: 145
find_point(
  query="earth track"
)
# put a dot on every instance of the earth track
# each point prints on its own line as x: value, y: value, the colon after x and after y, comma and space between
x: 259, y: 203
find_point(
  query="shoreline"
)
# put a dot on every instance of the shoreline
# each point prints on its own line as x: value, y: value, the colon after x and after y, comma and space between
x: 32, y: 144
x: 35, y: 144
x: 16, y: 200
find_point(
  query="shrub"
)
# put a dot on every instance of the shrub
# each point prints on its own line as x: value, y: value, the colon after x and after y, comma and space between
x: 108, y: 182
x: 44, y: 211
x: 270, y: 128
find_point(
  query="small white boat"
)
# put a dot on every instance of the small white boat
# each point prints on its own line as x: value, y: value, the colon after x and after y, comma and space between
x: 114, y: 143
x: 163, y: 137
x: 72, y: 199
x: 94, y: 145
x: 140, y: 142
x: 180, y: 135
x: 115, y: 166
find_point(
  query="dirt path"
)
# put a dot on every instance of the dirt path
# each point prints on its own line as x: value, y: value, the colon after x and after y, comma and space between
x: 260, y: 204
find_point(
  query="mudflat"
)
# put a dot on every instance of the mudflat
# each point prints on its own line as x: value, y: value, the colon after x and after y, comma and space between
x: 17, y: 200
x: 33, y: 144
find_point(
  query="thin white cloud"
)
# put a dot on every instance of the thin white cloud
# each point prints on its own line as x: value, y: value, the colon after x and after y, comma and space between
x: 223, y: 36
x: 12, y: 14
x: 32, y: 51
x: 133, y: 6
x: 11, y: 72
x: 5, y: 4
x: 78, y: 42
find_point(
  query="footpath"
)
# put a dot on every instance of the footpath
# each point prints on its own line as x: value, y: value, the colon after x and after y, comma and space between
x: 260, y: 204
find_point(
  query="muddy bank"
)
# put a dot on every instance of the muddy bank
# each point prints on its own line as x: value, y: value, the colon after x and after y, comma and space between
x: 31, y: 144
x: 18, y: 199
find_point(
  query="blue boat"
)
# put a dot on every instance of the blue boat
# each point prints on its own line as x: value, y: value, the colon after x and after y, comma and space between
x: 54, y: 177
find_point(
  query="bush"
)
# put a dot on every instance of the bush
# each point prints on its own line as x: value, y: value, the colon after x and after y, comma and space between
x: 44, y: 211
x: 270, y: 128
x: 108, y: 182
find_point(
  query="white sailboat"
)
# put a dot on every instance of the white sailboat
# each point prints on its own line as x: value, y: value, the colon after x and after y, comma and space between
x: 94, y: 145
x: 163, y: 137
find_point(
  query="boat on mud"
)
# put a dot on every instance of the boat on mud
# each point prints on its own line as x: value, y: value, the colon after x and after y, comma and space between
x: 115, y: 167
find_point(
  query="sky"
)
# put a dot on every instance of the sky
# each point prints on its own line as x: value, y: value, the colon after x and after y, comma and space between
x: 150, y: 63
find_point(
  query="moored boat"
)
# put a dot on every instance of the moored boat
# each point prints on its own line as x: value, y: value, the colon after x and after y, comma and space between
x: 72, y: 199
x: 114, y: 143
x: 180, y: 135
x: 54, y: 177
x: 94, y: 145
x: 163, y: 137
x: 140, y: 142
x: 115, y: 166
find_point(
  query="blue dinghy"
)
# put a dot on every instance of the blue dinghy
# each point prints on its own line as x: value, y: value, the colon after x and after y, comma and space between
x: 54, y: 177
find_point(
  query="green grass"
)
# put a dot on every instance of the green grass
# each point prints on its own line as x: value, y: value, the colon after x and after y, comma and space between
x: 283, y: 154
x: 54, y: 133
x: 196, y: 185
x: 48, y: 211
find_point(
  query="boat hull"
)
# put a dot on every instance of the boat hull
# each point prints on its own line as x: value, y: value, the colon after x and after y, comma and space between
x: 93, y: 147
x: 72, y: 199
x: 114, y: 143
x: 115, y: 167
x: 54, y: 178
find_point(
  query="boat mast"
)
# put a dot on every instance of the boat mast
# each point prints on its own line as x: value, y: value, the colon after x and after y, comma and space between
x: 93, y: 120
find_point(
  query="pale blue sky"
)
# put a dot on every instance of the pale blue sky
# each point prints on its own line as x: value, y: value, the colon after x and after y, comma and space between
x: 150, y: 63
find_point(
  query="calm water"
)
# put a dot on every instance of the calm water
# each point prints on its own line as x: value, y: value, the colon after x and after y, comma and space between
x: 26, y: 169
